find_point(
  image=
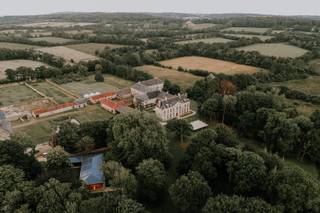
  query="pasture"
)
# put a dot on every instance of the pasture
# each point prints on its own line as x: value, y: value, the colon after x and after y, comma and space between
x: 68, y: 54
x: 14, y: 64
x: 89, y: 85
x: 205, y: 40
x: 276, y: 50
x: 257, y: 30
x: 15, y: 94
x: 52, y: 40
x: 16, y: 46
x: 91, y: 48
x: 184, y: 80
x: 261, y: 37
x: 208, y: 64
x: 51, y: 92
x: 56, y: 24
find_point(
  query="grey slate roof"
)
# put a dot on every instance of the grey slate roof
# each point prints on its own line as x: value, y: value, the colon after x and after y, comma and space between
x: 170, y: 102
x: 81, y: 101
x: 138, y: 86
x: 124, y: 92
x: 152, y: 82
x: 154, y: 94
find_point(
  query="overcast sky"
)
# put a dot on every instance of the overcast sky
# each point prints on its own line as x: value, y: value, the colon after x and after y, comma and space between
x: 276, y: 7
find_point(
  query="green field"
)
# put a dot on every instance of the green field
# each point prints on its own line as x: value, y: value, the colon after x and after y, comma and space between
x: 257, y: 30
x: 42, y: 130
x: 205, y: 40
x: 111, y: 83
x: 52, y: 92
x: 16, y: 46
x: 276, y: 49
x: 91, y: 48
x: 261, y: 37
x: 15, y: 94
x: 52, y: 40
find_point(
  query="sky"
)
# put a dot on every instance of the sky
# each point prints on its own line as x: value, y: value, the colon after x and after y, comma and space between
x: 275, y: 7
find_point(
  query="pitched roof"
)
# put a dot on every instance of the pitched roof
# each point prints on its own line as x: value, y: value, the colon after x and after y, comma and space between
x: 124, y: 92
x: 81, y: 101
x: 169, y: 102
x: 91, y: 172
x: 61, y: 106
x: 138, y: 86
x: 111, y: 104
x: 152, y: 82
x: 153, y: 94
x: 196, y: 125
x: 102, y: 96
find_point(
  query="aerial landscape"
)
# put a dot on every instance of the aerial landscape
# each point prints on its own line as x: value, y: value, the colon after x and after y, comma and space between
x: 174, y: 110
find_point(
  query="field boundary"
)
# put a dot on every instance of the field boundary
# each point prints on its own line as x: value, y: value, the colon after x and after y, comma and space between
x: 63, y: 90
x: 40, y: 93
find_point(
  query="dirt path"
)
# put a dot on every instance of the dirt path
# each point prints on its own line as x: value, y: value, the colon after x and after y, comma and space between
x: 63, y: 90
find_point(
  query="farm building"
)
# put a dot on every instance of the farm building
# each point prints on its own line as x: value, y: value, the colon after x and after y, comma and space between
x: 110, y: 105
x: 124, y: 93
x: 144, y: 87
x: 103, y: 96
x: 81, y: 102
x: 39, y: 113
x: 197, y: 125
x: 15, y: 113
x: 90, y: 173
x: 172, y: 107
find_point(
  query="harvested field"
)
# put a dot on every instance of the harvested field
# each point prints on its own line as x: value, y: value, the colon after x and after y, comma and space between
x: 52, y: 40
x: 257, y: 30
x: 90, y: 48
x: 89, y: 85
x: 193, y: 26
x: 206, y: 40
x: 51, y: 92
x: 276, y: 49
x: 14, y: 64
x: 57, y: 24
x: 16, y: 46
x: 184, y: 80
x: 208, y: 64
x: 261, y: 37
x: 15, y: 94
x: 68, y: 54
x: 310, y: 85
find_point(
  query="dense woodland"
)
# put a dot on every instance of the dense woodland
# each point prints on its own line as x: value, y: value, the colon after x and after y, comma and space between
x: 216, y: 173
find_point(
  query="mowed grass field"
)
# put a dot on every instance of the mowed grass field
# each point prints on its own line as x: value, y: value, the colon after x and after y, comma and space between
x: 205, y: 40
x: 261, y: 37
x: 52, y: 40
x: 91, y: 48
x: 51, y: 92
x: 16, y: 46
x: 208, y: 64
x: 184, y: 80
x: 310, y: 85
x: 42, y: 129
x: 276, y: 50
x: 14, y: 64
x: 68, y: 54
x: 257, y: 30
x: 14, y: 94
x: 89, y: 85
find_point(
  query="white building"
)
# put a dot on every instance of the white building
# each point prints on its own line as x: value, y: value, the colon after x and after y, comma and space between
x: 147, y: 86
x: 168, y: 108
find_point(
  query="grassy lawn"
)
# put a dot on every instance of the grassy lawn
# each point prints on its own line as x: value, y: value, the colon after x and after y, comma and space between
x: 15, y: 94
x: 51, y: 92
x: 42, y: 129
x: 88, y: 85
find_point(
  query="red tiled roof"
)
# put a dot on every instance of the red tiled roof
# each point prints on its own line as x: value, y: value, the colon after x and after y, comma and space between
x: 111, y: 104
x: 103, y: 95
x: 61, y: 106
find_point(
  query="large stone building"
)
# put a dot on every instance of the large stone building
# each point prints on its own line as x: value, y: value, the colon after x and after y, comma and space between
x: 170, y: 107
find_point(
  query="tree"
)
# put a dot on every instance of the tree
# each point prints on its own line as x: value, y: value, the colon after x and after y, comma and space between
x: 190, y: 192
x: 138, y: 136
x: 223, y: 203
x: 120, y: 178
x: 85, y: 144
x: 9, y: 178
x: 315, y: 118
x: 58, y: 197
x: 152, y: 180
x: 225, y: 135
x: 247, y: 173
x: 98, y: 77
x: 128, y: 205
x: 228, y: 103
x: 57, y: 158
x: 181, y: 128
x: 68, y: 136
x: 211, y: 108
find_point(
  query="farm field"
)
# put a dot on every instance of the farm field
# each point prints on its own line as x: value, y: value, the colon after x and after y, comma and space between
x: 90, y: 48
x: 316, y: 65
x: 202, y: 26
x: 262, y: 37
x: 56, y: 24
x: 310, y: 85
x: 41, y: 130
x: 205, y: 40
x: 16, y: 46
x: 52, y: 40
x: 184, y: 80
x: 13, y: 94
x: 67, y: 53
x: 257, y: 30
x: 51, y: 92
x: 276, y: 49
x: 208, y: 64
x: 111, y: 83
x: 14, y: 64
